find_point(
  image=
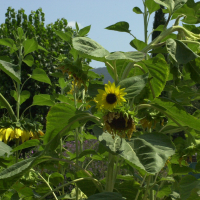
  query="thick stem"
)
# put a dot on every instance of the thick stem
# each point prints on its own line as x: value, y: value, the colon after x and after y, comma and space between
x: 8, y: 107
x: 110, y: 174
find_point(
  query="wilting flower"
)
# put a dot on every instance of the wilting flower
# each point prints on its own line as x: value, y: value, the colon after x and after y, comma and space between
x: 110, y: 98
x: 7, y: 134
x: 117, y: 123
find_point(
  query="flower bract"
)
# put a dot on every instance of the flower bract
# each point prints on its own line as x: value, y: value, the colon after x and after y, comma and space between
x: 110, y: 98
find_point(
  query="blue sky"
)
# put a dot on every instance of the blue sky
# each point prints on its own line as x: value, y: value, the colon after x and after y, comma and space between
x: 97, y: 13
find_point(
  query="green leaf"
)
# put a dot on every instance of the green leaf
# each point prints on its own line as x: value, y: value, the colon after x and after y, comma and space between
x: 89, y: 48
x: 64, y: 36
x: 25, y: 94
x: 84, y: 31
x: 62, y: 83
x: 7, y: 42
x: 147, y: 153
x: 119, y: 26
x: 128, y: 189
x: 5, y: 149
x: 158, y: 70
x: 27, y: 144
x: 134, y: 85
x: 58, y: 114
x: 159, y: 28
x: 107, y: 196
x: 191, y: 12
x: 176, y: 112
x: 193, y: 67
x: 20, y: 32
x: 180, y: 52
x: 56, y: 178
x: 138, y: 44
x: 152, y: 6
x: 42, y: 48
x: 189, y: 186
x: 137, y: 10
x: 13, y: 173
x: 176, y: 169
x: 40, y: 75
x: 30, y: 45
x: 133, y: 56
x: 93, y: 89
x: 11, y: 70
x: 43, y: 100
x: 171, y: 5
x: 164, y: 191
x: 29, y: 60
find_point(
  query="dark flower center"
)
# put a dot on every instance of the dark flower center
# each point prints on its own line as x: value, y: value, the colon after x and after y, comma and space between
x: 111, y: 98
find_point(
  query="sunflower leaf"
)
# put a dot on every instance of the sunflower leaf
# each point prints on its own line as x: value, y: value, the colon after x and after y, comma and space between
x: 134, y: 85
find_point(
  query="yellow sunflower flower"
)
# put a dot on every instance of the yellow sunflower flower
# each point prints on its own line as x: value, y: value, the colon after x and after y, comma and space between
x: 111, y: 97
x: 7, y: 134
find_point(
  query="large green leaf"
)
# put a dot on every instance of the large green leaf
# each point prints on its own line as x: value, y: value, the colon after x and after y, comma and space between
x: 134, y: 85
x: 30, y: 45
x: 64, y: 36
x: 40, y: 75
x: 13, y: 173
x: 5, y: 149
x: 180, y: 52
x: 176, y: 112
x: 191, y: 11
x: 66, y: 114
x: 189, y: 188
x: 158, y: 71
x: 171, y: 5
x: 89, y: 48
x: 25, y: 94
x: 152, y: 6
x: 131, y: 56
x: 43, y: 100
x: 58, y: 114
x: 107, y: 196
x: 119, y: 26
x: 11, y: 70
x: 147, y: 153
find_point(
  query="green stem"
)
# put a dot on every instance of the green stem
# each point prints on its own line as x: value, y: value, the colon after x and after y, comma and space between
x: 145, y: 24
x: 147, y: 188
x: 138, y: 193
x: 115, y: 72
x: 8, y: 107
x: 110, y: 174
x: 52, y: 191
x: 127, y: 70
x: 66, y: 184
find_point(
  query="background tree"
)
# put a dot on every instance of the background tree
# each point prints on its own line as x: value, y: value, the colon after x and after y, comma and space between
x: 34, y: 27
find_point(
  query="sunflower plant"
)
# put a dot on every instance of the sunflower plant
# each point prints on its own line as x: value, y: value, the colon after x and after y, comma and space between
x: 146, y: 122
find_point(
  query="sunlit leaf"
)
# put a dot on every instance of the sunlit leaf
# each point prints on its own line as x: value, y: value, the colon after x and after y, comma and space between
x: 119, y: 26
x: 11, y: 70
x: 43, y: 100
x: 5, y: 149
x: 138, y: 44
x: 40, y: 75
x: 24, y: 95
x: 64, y: 36
x: 89, y: 48
x: 84, y: 31
x: 30, y: 45
x: 152, y: 6
x: 29, y: 60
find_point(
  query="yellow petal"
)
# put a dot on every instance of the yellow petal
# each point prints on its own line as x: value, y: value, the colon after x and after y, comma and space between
x: 8, y: 133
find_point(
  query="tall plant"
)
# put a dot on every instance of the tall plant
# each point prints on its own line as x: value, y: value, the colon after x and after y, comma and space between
x: 132, y: 123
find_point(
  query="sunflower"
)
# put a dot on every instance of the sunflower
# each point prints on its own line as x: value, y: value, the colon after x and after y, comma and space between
x: 118, y: 123
x: 110, y: 98
x: 7, y: 134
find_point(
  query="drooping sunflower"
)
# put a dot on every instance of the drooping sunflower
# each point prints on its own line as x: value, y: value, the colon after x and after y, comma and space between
x: 7, y: 134
x: 118, y: 123
x: 110, y: 98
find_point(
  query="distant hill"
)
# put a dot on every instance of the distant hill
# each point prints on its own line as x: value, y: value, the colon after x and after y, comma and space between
x: 103, y: 71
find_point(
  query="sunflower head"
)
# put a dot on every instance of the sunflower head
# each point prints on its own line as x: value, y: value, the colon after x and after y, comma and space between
x: 110, y: 98
x: 118, y: 123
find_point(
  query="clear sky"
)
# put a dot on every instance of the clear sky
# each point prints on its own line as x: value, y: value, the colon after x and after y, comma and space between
x: 97, y: 13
